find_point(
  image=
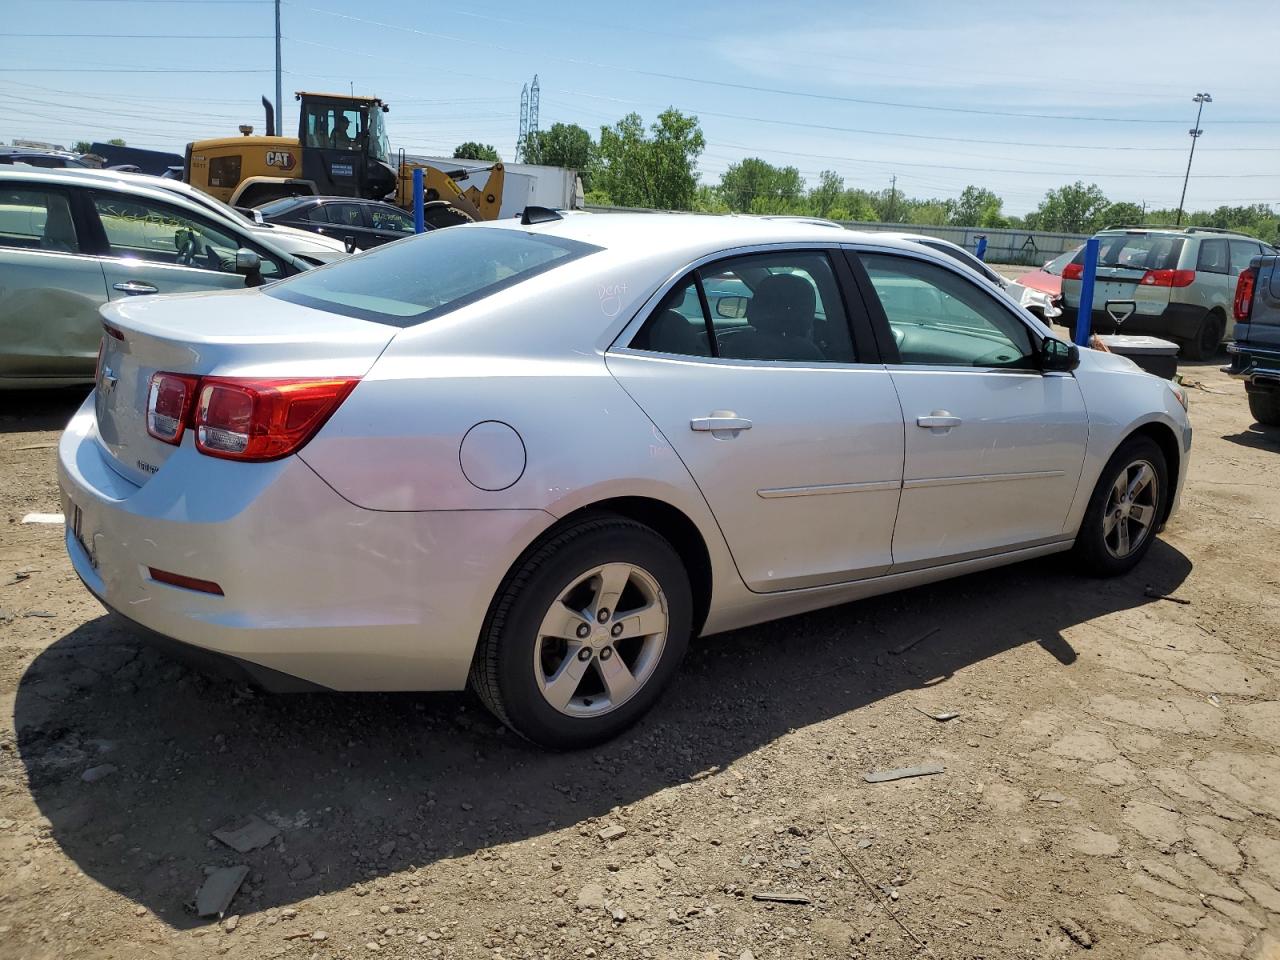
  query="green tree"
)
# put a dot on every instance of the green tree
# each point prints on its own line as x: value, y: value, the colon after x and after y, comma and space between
x: 974, y: 204
x: 825, y: 197
x: 708, y: 200
x: 82, y: 146
x: 1121, y: 213
x: 655, y: 168
x: 754, y: 186
x: 564, y: 145
x: 1073, y: 208
x: 117, y: 142
x: 471, y: 150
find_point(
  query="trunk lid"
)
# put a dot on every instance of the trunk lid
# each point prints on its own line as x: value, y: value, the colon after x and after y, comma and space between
x: 241, y: 333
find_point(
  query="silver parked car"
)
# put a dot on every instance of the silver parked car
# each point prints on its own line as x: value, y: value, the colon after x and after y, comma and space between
x: 73, y: 240
x: 538, y: 457
x: 1170, y: 282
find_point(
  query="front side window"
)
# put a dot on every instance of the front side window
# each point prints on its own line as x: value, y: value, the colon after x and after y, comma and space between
x: 142, y: 229
x: 938, y: 317
x: 772, y: 306
x: 33, y: 218
x: 1213, y: 256
x: 402, y: 284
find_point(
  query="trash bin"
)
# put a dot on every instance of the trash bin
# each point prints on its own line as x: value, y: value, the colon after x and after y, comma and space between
x: 1150, y: 353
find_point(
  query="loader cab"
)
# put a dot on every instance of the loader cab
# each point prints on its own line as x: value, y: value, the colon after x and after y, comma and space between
x: 344, y: 145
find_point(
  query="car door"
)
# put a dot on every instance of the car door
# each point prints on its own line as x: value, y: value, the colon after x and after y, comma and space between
x: 348, y: 223
x: 789, y: 426
x: 388, y: 222
x: 148, y: 246
x: 50, y: 288
x: 994, y: 447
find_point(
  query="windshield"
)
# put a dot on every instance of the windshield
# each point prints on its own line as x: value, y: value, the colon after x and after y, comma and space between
x: 213, y: 203
x: 418, y: 278
x: 379, y: 148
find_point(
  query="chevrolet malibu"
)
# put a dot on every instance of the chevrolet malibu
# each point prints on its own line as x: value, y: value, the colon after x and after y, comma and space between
x: 538, y: 456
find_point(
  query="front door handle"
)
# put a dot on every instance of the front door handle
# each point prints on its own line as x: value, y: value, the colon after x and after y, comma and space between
x: 939, y: 419
x: 719, y: 421
x: 135, y: 287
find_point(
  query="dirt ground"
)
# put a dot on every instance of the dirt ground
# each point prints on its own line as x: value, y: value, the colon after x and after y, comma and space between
x: 1111, y: 780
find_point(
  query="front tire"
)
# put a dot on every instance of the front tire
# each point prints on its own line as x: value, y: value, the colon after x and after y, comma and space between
x: 585, y: 634
x: 1124, y: 511
x: 1265, y: 407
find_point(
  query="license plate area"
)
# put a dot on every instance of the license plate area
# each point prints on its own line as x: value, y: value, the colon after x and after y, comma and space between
x: 77, y: 530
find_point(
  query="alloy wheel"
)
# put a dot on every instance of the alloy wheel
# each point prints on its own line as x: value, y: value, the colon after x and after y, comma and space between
x: 601, y: 640
x: 1130, y: 514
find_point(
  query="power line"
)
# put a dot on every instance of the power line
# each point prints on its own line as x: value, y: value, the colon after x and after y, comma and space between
x: 144, y: 36
x: 28, y: 70
x: 681, y: 78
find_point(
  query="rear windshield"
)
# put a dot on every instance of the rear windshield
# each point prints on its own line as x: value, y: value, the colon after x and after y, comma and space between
x: 1137, y: 251
x: 418, y: 278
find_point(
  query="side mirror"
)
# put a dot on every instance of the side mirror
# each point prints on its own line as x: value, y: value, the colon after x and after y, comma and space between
x: 249, y: 264
x: 1057, y: 355
x: 731, y: 308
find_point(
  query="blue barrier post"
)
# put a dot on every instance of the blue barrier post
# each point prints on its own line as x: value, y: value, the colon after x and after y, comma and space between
x: 419, y: 224
x: 1084, y: 314
x: 982, y: 246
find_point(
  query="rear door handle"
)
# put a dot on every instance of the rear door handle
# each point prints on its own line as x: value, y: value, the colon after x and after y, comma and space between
x: 717, y: 422
x: 938, y: 419
x: 135, y: 287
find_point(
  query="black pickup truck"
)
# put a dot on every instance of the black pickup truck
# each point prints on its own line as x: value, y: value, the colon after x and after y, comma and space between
x: 1255, y: 354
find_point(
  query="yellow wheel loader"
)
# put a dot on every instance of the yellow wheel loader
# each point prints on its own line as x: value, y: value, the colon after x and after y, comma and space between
x: 341, y: 150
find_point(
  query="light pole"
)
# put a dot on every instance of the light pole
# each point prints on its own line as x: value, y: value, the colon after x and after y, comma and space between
x: 1201, y: 99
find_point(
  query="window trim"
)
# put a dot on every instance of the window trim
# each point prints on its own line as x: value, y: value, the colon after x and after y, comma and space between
x: 884, y: 332
x: 865, y: 344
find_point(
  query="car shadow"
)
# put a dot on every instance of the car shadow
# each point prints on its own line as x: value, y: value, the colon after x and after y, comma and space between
x: 1257, y: 436
x: 364, y: 785
x: 27, y: 410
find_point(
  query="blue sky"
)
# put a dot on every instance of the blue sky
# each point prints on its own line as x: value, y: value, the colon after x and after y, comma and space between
x: 787, y: 86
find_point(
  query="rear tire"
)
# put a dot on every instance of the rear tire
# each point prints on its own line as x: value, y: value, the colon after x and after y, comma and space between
x: 1124, y: 511
x: 1265, y: 407
x: 585, y: 634
x: 1208, y: 338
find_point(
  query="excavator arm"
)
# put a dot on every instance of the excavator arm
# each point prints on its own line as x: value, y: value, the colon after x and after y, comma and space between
x: 470, y: 205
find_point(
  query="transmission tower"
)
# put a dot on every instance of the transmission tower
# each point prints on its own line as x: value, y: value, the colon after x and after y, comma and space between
x: 528, y: 118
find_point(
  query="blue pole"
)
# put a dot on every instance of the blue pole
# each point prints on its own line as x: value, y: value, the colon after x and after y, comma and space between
x: 1084, y: 314
x: 419, y: 224
x: 982, y: 246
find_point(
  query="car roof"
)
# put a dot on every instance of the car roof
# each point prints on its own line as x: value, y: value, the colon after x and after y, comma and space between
x: 693, y: 233
x: 1201, y: 233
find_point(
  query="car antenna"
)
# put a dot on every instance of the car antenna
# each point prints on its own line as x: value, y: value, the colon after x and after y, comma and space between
x: 534, y: 215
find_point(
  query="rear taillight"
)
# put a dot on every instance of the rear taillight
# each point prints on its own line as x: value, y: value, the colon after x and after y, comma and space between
x: 169, y: 401
x: 1168, y: 278
x: 263, y: 419
x: 1243, y: 305
x: 1073, y: 271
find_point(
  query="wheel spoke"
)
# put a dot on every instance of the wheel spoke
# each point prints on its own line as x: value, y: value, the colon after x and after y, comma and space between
x: 562, y: 621
x: 563, y: 684
x: 617, y: 676
x: 643, y: 622
x: 1109, y: 523
x: 1118, y: 491
x: 1141, y: 481
x: 613, y: 578
x: 1142, y: 514
x: 1122, y: 539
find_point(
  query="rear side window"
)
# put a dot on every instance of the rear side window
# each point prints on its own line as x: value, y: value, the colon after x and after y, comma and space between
x: 1213, y: 256
x: 403, y: 284
x: 32, y: 218
x: 1242, y: 252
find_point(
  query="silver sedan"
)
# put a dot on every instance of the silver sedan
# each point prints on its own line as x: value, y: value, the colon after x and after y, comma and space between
x: 538, y: 457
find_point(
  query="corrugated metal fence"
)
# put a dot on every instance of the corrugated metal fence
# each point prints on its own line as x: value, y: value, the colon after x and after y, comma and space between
x: 1031, y: 247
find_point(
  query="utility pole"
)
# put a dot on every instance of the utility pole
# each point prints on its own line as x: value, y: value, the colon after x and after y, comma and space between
x: 893, y: 196
x: 1201, y: 99
x: 279, y: 88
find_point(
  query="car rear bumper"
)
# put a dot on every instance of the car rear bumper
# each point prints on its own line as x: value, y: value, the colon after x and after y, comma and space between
x: 1178, y: 321
x: 313, y: 587
x: 1259, y: 368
